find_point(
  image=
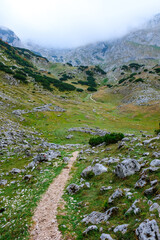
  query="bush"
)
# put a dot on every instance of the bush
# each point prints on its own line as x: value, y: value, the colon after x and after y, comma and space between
x: 91, y: 89
x: 79, y: 90
x: 20, y: 77
x: 139, y: 80
x: 108, y: 139
x: 157, y: 131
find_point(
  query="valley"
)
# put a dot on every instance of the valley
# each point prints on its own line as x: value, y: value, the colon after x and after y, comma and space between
x: 50, y: 110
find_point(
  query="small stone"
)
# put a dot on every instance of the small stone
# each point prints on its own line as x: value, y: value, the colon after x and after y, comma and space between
x: 105, y: 236
x: 90, y: 228
x: 121, y: 228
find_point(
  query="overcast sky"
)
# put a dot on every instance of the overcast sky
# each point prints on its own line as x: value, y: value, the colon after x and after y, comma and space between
x: 72, y: 23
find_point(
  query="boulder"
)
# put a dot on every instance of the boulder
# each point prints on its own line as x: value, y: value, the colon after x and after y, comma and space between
x: 155, y: 163
x: 73, y: 188
x: 98, y: 217
x: 156, y: 154
x: 154, y: 206
x: 127, y: 167
x: 98, y: 169
x: 90, y: 228
x: 150, y: 191
x: 148, y: 230
x: 86, y: 172
x: 121, y: 228
x: 145, y: 142
x: 117, y: 194
x: 105, y: 236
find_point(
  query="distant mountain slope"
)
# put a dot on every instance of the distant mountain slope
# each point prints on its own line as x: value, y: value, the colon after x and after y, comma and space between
x: 10, y: 37
x: 141, y: 45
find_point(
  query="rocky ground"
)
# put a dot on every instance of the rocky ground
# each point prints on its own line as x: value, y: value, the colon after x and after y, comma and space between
x: 114, y: 193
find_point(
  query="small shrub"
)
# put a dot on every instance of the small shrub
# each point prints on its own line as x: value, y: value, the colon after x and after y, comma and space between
x: 91, y: 89
x: 157, y: 131
x: 108, y: 139
x: 79, y: 90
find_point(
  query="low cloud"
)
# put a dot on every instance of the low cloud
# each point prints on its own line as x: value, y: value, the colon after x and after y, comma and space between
x: 70, y: 23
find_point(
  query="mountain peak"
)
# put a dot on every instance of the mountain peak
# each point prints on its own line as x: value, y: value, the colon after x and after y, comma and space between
x: 10, y: 37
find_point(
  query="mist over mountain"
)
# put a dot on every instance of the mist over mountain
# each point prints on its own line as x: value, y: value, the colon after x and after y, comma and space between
x: 141, y: 45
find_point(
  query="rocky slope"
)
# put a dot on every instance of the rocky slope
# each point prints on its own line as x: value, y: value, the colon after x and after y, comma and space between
x: 46, y: 114
x: 10, y: 37
x: 141, y: 45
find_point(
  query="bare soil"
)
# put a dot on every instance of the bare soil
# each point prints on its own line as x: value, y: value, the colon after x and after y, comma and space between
x: 45, y: 225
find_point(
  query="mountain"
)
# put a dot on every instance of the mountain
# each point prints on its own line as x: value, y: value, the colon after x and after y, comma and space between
x: 47, y: 112
x: 10, y: 37
x: 142, y: 45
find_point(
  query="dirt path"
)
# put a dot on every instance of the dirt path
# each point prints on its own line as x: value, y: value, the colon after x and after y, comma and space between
x: 92, y: 98
x: 45, y: 222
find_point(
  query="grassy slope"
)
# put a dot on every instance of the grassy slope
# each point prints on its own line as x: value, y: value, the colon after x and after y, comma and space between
x: 52, y: 126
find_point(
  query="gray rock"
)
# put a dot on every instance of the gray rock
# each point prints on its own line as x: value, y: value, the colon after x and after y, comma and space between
x: 3, y: 182
x: 90, y: 228
x: 121, y: 228
x: 66, y: 159
x: 126, y: 139
x: 145, y: 142
x: 148, y: 230
x: 117, y: 194
x: 133, y: 208
x: 154, y: 206
x: 98, y: 217
x: 86, y: 172
x: 103, y: 188
x: 146, y: 154
x: 98, y: 169
x: 73, y: 188
x: 127, y: 167
x: 15, y: 171
x: 156, y: 154
x: 69, y: 136
x: 105, y: 236
x: 31, y: 165
x: 155, y: 163
x: 150, y: 191
x: 154, y: 182
x: 141, y: 182
x: 28, y: 177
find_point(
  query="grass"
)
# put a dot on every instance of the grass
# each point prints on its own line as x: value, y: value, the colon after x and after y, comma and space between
x: 19, y: 199
x: 83, y: 202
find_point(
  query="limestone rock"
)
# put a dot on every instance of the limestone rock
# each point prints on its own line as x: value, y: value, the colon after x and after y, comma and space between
x: 90, y: 228
x: 99, y: 169
x: 117, y: 194
x: 155, y: 163
x: 148, y: 230
x: 127, y: 167
x: 98, y: 217
x: 73, y: 188
x: 105, y: 236
x: 121, y: 228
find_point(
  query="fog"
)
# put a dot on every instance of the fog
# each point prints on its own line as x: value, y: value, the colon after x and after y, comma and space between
x: 73, y: 23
